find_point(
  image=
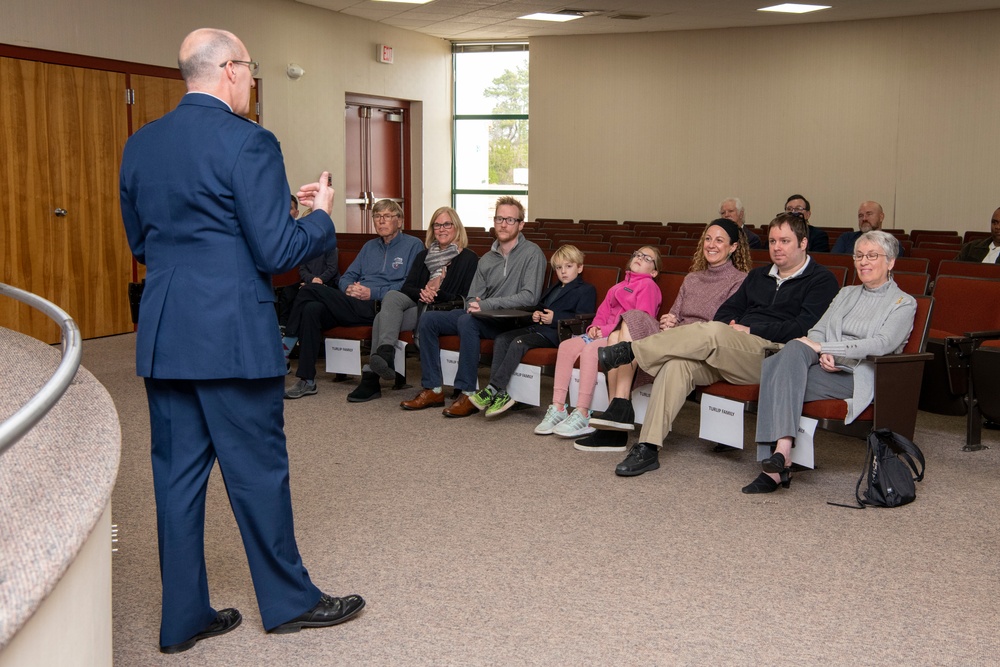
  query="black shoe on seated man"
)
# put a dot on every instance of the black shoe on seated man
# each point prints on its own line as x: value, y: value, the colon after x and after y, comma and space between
x: 368, y: 389
x: 225, y: 620
x: 382, y: 362
x: 301, y: 388
x: 620, y: 416
x: 328, y: 611
x: 613, y: 356
x: 603, y: 441
x: 643, y: 457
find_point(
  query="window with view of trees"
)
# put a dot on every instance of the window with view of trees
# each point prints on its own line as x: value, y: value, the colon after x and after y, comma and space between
x: 491, y: 128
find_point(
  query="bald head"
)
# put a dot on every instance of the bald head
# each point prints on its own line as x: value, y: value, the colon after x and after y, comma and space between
x: 203, y: 50
x: 870, y: 216
x: 207, y: 60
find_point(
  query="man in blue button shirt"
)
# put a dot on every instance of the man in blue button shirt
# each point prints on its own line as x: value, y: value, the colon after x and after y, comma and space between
x: 381, y: 266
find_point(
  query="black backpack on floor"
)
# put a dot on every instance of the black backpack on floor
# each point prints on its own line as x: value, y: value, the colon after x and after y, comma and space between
x: 891, y: 469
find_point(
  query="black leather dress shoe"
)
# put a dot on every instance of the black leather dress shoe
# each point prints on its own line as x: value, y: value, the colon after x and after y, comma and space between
x: 613, y: 356
x: 328, y: 611
x: 225, y: 620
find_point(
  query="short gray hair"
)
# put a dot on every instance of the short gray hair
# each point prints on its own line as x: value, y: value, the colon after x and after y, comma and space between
x: 884, y: 240
x: 736, y: 202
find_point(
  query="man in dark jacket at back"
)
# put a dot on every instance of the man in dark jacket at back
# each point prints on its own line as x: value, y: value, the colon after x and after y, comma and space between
x: 986, y: 251
x: 775, y: 304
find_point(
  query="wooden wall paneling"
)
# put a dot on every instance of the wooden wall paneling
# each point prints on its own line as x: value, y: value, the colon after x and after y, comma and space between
x: 27, y: 237
x: 87, y: 131
x: 67, y: 127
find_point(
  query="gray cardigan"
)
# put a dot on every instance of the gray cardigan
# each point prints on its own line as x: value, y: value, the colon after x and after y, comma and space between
x: 862, y: 322
x: 514, y: 281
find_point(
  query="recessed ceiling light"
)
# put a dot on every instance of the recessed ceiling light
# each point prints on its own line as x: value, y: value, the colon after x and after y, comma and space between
x: 793, y: 8
x: 542, y: 16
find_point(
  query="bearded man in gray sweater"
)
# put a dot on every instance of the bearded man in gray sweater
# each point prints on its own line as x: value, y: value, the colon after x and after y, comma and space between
x: 509, y: 275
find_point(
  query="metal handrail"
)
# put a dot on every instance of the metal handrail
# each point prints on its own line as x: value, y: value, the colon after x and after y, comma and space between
x: 22, y: 421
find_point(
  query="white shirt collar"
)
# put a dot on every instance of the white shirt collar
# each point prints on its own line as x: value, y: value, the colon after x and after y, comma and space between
x: 774, y: 271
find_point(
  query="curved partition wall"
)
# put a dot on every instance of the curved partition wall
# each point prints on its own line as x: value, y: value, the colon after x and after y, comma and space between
x: 55, y: 493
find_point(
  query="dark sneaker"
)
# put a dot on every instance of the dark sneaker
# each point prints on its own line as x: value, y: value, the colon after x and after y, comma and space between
x: 613, y: 356
x: 300, y: 389
x: 643, y: 457
x: 603, y: 441
x: 502, y: 402
x: 618, y: 417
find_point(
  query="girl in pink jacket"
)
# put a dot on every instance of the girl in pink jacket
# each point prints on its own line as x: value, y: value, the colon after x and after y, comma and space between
x: 638, y: 292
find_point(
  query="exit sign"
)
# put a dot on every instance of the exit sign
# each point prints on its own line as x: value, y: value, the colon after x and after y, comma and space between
x: 385, y: 54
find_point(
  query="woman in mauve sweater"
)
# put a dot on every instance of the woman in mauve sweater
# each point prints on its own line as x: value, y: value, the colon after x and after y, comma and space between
x: 717, y: 270
x: 638, y: 291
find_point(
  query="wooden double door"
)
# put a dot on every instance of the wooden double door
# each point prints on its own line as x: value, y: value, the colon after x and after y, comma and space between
x: 63, y: 129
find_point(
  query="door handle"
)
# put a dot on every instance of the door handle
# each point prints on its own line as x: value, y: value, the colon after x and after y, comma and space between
x: 60, y: 212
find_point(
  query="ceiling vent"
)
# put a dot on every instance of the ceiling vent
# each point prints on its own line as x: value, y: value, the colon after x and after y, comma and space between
x: 629, y: 17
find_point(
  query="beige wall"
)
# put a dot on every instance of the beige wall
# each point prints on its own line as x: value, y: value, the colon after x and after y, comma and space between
x: 662, y: 126
x: 336, y: 51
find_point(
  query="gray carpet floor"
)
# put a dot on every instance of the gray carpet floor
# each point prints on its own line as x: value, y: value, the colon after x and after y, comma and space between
x: 479, y: 543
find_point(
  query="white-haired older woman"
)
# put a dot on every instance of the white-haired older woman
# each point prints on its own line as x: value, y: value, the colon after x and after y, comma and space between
x: 441, y: 272
x: 872, y: 318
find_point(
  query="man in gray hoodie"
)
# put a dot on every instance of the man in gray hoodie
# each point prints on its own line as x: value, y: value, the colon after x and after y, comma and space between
x: 510, y: 275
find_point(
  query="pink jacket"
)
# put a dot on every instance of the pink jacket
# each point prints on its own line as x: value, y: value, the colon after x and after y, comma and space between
x: 638, y: 291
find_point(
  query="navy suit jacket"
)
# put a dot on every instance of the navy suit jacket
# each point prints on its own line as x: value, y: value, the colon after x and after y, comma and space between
x: 576, y: 298
x: 209, y: 219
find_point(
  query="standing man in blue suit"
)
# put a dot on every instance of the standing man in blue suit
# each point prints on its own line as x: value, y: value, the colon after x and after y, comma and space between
x: 205, y: 204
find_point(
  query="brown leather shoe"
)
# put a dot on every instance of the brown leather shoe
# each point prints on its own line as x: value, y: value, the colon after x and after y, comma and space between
x: 428, y: 398
x: 462, y: 407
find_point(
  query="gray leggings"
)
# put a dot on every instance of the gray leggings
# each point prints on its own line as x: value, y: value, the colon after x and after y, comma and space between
x: 398, y: 313
x: 787, y: 380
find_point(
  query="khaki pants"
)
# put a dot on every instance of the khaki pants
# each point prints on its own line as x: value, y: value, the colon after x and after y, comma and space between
x: 688, y: 356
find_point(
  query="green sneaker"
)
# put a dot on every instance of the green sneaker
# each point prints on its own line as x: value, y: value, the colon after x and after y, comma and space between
x: 501, y: 403
x: 483, y: 398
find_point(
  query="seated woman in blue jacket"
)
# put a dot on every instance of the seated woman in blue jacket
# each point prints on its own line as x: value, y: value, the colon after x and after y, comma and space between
x: 442, y: 272
x: 567, y: 298
x: 872, y: 318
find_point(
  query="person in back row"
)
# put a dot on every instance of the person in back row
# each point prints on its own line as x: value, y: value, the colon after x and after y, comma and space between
x: 638, y: 292
x: 509, y: 275
x: 381, y: 266
x: 732, y: 209
x: 568, y: 297
x: 774, y: 304
x: 440, y: 273
x: 987, y: 250
x: 870, y: 217
x: 819, y: 240
x: 717, y: 271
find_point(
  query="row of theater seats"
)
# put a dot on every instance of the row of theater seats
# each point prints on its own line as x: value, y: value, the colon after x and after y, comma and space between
x: 912, y: 239
x: 957, y: 333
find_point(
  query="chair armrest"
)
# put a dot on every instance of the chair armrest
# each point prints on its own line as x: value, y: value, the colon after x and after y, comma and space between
x: 983, y: 335
x: 900, y: 358
x: 447, y: 305
x: 573, y: 326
